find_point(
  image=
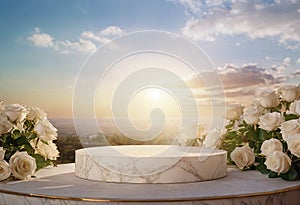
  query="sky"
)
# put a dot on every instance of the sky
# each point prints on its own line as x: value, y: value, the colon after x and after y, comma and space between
x: 45, y: 43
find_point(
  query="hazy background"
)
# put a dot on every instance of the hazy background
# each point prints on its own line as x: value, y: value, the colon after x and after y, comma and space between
x: 253, y: 44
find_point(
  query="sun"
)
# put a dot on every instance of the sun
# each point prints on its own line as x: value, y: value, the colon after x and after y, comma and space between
x: 155, y: 95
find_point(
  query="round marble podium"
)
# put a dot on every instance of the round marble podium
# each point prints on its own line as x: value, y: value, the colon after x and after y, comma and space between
x: 150, y: 164
x: 60, y: 186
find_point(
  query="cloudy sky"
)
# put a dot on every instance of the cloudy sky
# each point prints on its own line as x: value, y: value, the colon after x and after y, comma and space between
x: 45, y: 43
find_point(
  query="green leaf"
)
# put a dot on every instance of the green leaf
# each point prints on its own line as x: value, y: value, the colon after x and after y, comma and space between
x: 16, y: 134
x: 251, y: 144
x: 273, y: 174
x: 28, y: 148
x: 291, y: 175
x: 21, y: 140
x: 264, y: 135
x: 290, y: 117
x: 32, y: 136
x: 230, y: 125
x: 262, y: 168
x: 41, y: 162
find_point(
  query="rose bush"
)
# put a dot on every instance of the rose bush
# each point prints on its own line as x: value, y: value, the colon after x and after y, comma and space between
x: 26, y: 141
x: 271, y: 128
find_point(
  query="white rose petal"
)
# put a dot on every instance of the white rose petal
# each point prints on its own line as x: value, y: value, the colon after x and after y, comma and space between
x: 278, y: 162
x: 289, y: 128
x: 294, y: 144
x: 22, y: 165
x: 4, y: 170
x: 5, y: 125
x: 45, y: 130
x: 288, y: 93
x: 243, y: 157
x: 36, y: 113
x: 48, y: 151
x: 270, y: 121
x: 251, y: 115
x: 234, y: 111
x: 15, y: 112
x: 2, y: 153
x: 295, y: 107
x: 269, y: 99
x: 213, y: 138
x: 270, y: 146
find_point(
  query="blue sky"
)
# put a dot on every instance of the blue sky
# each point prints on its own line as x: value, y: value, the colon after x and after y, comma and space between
x: 44, y: 43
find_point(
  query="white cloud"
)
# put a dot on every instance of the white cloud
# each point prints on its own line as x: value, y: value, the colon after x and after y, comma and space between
x: 246, y: 75
x: 87, y: 43
x: 92, y: 36
x: 261, y: 20
x: 286, y: 62
x: 84, y: 46
x: 37, y: 30
x: 191, y: 5
x: 298, y: 61
x: 43, y: 40
x: 111, y: 31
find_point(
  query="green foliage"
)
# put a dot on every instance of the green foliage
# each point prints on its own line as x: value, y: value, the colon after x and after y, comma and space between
x: 239, y: 133
x: 291, y: 175
x: 41, y: 162
x: 17, y: 140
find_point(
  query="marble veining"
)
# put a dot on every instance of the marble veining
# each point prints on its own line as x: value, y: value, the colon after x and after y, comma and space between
x: 171, y: 165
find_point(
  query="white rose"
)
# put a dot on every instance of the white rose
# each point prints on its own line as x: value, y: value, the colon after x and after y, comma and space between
x: 251, y: 115
x: 5, y: 125
x: 255, y: 102
x: 295, y: 107
x: 294, y: 144
x: 213, y: 138
x: 36, y: 113
x: 48, y: 151
x: 22, y: 165
x: 278, y: 162
x: 288, y: 93
x: 270, y: 146
x: 290, y: 127
x: 234, y: 111
x: 45, y: 130
x: 270, y: 121
x: 15, y: 112
x: 4, y: 170
x: 243, y: 157
x: 269, y: 99
x: 2, y: 153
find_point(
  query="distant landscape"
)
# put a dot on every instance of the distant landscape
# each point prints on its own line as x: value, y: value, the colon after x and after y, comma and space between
x: 68, y: 140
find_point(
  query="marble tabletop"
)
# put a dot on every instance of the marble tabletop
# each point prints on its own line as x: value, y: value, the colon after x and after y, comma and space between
x: 59, y: 185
